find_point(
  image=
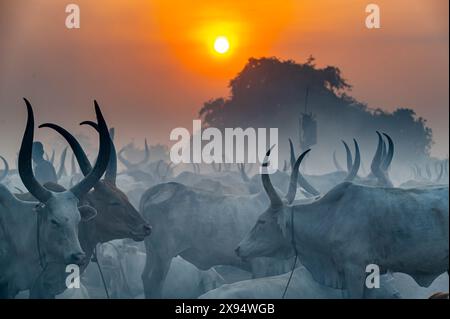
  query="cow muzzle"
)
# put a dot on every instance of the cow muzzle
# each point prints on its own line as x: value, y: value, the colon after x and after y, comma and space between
x: 76, y: 258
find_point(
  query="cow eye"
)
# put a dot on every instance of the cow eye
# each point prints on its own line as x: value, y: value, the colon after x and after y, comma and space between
x: 261, y: 222
x: 114, y: 204
x: 54, y: 222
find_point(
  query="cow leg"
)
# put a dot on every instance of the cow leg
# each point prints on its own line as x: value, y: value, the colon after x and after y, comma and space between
x: 355, y: 282
x: 154, y: 274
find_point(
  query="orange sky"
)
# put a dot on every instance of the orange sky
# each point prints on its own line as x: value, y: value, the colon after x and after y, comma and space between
x: 151, y: 65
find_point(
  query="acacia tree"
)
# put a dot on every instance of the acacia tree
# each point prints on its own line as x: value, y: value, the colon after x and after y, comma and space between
x: 271, y: 93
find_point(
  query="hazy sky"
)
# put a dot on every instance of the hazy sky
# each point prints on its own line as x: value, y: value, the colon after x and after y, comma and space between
x: 150, y: 64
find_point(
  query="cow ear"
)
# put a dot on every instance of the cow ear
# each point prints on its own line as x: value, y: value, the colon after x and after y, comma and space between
x: 87, y: 212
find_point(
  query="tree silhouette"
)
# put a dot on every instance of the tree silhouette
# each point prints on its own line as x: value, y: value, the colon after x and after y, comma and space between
x: 271, y: 93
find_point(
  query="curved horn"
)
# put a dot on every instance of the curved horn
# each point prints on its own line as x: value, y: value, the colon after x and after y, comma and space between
x: 336, y: 163
x: 275, y: 200
x: 111, y: 170
x: 427, y: 169
x: 377, y: 158
x: 291, y: 154
x: 77, y: 150
x: 6, y: 170
x: 169, y: 170
x: 440, y: 174
x: 419, y: 171
x: 244, y: 175
x: 215, y: 168
x: 52, y: 159
x: 130, y: 165
x: 390, y: 154
x: 73, y: 170
x: 62, y: 162
x: 285, y: 166
x: 349, y: 157
x: 25, y: 166
x: 146, y: 155
x: 355, y: 167
x: 19, y: 190
x: 102, y: 160
x: 302, y: 182
x: 123, y: 160
x: 294, y: 176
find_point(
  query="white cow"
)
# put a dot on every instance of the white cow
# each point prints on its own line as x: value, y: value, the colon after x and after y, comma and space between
x: 35, y: 235
x: 302, y: 286
x: 354, y: 226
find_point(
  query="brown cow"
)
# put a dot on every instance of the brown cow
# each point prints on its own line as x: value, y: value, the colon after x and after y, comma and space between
x: 116, y: 217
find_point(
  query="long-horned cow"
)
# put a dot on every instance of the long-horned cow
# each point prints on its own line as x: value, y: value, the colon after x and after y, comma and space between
x: 354, y: 226
x: 116, y: 217
x: 35, y: 235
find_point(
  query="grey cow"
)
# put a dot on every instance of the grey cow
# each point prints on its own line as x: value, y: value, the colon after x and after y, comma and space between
x: 353, y: 226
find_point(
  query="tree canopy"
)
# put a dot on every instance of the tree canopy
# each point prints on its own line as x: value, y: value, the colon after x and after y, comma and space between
x: 271, y: 93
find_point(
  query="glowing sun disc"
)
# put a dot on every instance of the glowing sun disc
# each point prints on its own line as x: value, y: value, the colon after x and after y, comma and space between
x: 221, y: 45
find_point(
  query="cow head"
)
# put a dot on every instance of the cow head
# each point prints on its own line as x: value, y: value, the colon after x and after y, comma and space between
x: 269, y: 236
x: 116, y: 217
x: 58, y: 212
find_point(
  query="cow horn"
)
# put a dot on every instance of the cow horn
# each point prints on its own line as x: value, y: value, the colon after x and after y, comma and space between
x: 419, y: 171
x: 294, y: 176
x: 349, y: 157
x: 244, y: 175
x: 275, y: 200
x: 336, y: 163
x: 52, y: 159
x: 111, y: 170
x: 377, y: 158
x: 427, y: 169
x: 302, y: 182
x: 123, y: 160
x: 102, y: 160
x: 130, y: 165
x: 413, y: 169
x: 77, y: 150
x: 291, y: 154
x: 62, y: 162
x: 390, y: 154
x: 168, y: 170
x: 25, y: 165
x: 215, y: 168
x: 19, y: 190
x: 440, y: 173
x: 353, y: 172
x: 6, y: 170
x: 73, y: 170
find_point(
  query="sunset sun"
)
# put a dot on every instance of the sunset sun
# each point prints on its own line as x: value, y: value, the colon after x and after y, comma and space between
x: 221, y: 45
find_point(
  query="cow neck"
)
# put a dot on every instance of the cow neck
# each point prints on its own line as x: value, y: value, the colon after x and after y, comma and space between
x: 87, y: 237
x: 41, y: 254
x: 17, y: 215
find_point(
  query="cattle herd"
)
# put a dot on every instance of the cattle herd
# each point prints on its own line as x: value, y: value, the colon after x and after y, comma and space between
x: 155, y: 230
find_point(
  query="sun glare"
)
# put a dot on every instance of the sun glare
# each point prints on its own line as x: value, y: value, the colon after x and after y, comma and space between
x: 221, y: 45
